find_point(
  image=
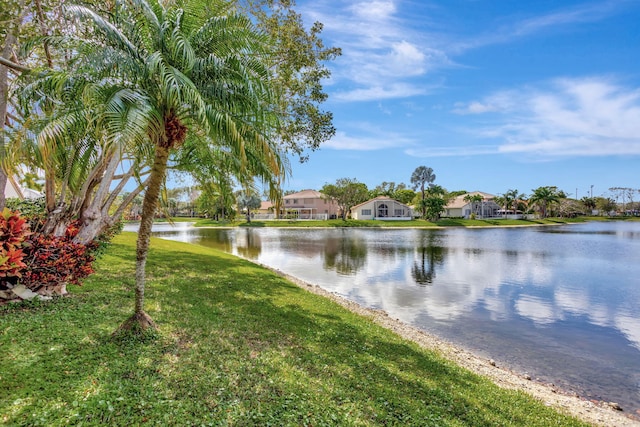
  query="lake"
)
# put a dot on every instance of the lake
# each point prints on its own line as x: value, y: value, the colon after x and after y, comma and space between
x: 560, y: 303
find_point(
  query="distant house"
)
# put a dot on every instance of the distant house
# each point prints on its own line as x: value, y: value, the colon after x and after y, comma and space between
x: 309, y: 204
x: 382, y: 208
x: 15, y: 190
x: 266, y: 207
x: 461, y: 208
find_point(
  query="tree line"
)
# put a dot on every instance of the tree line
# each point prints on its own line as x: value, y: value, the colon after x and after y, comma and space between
x: 430, y: 199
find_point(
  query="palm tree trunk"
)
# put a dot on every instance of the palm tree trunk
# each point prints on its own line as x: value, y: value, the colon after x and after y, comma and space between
x: 141, y: 320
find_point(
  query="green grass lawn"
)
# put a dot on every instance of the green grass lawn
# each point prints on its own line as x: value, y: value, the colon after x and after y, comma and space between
x: 237, y: 345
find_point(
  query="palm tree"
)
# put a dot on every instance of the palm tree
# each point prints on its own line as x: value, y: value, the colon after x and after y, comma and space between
x: 474, y: 199
x: 589, y: 203
x: 420, y: 178
x: 510, y: 198
x: 543, y: 197
x: 168, y: 76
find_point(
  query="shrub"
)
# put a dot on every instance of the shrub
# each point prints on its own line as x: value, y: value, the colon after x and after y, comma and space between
x: 53, y: 262
x: 43, y: 263
x: 33, y: 210
x: 13, y: 232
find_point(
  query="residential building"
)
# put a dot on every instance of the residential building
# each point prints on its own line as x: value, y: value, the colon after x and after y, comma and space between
x: 458, y: 207
x: 309, y: 204
x: 382, y: 208
x: 266, y: 207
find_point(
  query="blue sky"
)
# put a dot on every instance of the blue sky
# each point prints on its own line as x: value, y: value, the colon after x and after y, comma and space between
x: 492, y: 94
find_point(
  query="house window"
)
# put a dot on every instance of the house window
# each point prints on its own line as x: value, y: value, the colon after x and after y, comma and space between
x: 366, y: 212
x: 383, y: 210
x: 295, y: 201
x: 287, y: 201
x: 398, y: 212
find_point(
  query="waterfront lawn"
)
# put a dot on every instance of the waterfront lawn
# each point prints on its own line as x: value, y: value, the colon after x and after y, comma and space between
x: 237, y: 345
x: 417, y: 223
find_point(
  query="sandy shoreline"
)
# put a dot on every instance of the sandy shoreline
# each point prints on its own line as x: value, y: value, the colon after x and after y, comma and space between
x: 596, y: 413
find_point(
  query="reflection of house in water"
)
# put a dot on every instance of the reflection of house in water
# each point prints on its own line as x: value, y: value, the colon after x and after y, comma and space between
x: 382, y: 208
x: 463, y: 206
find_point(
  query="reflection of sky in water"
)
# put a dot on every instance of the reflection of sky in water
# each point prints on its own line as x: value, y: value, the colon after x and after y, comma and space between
x: 559, y: 299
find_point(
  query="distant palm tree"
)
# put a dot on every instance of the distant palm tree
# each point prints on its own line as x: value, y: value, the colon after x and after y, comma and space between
x: 510, y: 198
x: 543, y: 197
x: 420, y: 178
x: 474, y: 199
x: 589, y: 203
x: 500, y: 201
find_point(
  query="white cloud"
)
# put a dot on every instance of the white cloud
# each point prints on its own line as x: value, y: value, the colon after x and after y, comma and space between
x: 576, y: 117
x: 374, y: 10
x: 391, y: 91
x: 518, y: 28
x: 473, y: 150
x: 582, y: 13
x: 372, y: 138
x: 474, y: 107
x: 384, y: 47
x: 382, y: 58
x: 568, y: 117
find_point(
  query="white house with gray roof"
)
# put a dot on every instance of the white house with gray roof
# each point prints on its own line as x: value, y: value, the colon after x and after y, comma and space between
x: 458, y: 207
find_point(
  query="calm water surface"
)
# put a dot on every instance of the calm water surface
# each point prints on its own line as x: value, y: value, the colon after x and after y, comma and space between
x: 560, y: 303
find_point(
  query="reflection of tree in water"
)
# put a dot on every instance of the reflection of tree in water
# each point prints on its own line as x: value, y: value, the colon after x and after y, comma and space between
x: 345, y: 254
x: 215, y: 238
x: 249, y: 244
x: 430, y: 254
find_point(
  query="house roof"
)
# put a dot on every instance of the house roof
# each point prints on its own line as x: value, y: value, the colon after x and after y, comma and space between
x: 305, y: 194
x: 266, y: 205
x: 460, y: 202
x: 380, y: 198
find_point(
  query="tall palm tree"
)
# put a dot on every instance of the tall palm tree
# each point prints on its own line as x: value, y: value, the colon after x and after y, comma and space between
x: 169, y: 76
x: 543, y: 197
x: 420, y: 178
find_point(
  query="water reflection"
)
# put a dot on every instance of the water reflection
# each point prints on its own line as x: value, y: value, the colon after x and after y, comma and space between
x: 429, y: 255
x: 248, y: 244
x: 562, y: 302
x: 344, y: 254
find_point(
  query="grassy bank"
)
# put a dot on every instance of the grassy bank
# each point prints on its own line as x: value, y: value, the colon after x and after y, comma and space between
x: 445, y: 222
x: 237, y: 345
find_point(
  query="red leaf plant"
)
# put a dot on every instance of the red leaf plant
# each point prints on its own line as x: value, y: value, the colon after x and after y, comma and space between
x: 13, y: 232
